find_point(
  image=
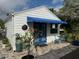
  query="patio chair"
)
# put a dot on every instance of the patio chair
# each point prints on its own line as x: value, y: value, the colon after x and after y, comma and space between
x: 60, y: 39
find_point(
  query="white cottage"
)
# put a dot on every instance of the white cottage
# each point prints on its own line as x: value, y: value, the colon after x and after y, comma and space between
x: 39, y: 18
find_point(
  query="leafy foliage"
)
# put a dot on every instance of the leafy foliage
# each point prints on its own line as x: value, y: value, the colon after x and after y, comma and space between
x: 70, y: 14
x: 2, y: 24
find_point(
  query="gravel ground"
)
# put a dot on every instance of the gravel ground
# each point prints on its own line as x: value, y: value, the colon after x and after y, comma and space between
x: 51, y: 51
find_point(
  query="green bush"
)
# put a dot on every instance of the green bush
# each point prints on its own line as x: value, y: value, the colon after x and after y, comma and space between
x: 7, y: 44
x: 5, y: 41
x: 69, y: 38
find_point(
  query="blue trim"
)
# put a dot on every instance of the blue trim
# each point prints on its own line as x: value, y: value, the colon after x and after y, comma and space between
x: 34, y: 19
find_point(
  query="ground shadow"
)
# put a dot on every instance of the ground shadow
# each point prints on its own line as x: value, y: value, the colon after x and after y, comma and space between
x: 67, y: 52
x: 54, y: 54
x: 72, y: 55
x: 28, y: 57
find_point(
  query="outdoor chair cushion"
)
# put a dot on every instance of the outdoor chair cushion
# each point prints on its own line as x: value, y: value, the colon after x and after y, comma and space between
x: 40, y: 41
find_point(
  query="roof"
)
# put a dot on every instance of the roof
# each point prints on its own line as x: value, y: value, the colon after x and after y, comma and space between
x: 37, y: 12
x: 27, y: 10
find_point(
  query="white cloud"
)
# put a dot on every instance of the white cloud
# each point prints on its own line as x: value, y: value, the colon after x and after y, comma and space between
x: 57, y: 9
x: 58, y: 4
x: 9, y: 5
x: 56, y: 1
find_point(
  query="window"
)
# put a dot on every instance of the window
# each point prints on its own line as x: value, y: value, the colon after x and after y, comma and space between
x: 53, y: 28
x: 61, y: 28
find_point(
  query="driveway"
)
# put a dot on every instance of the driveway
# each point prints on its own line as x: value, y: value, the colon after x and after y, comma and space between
x: 72, y: 55
x: 68, y: 52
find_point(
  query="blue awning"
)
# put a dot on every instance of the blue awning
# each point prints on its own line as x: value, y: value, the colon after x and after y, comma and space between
x: 42, y: 20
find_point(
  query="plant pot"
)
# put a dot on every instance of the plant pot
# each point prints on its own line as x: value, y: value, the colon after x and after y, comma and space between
x: 19, y: 46
x: 28, y: 57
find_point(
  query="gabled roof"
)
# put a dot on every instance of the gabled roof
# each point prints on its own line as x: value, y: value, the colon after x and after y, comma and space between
x: 38, y: 12
x: 27, y: 10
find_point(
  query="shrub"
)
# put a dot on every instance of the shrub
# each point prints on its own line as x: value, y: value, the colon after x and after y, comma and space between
x: 5, y: 41
x: 69, y: 38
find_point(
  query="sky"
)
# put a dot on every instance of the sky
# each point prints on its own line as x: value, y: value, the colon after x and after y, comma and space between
x: 18, y: 5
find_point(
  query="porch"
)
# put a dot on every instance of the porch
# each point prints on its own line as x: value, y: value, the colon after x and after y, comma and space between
x: 45, y: 30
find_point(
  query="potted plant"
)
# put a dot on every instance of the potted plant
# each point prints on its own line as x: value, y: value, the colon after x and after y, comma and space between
x: 27, y: 38
x: 28, y: 46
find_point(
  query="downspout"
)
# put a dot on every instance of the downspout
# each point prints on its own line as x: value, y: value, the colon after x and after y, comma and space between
x: 14, y: 48
x: 59, y: 29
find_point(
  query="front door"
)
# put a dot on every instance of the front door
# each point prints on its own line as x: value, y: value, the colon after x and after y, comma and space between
x: 40, y: 32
